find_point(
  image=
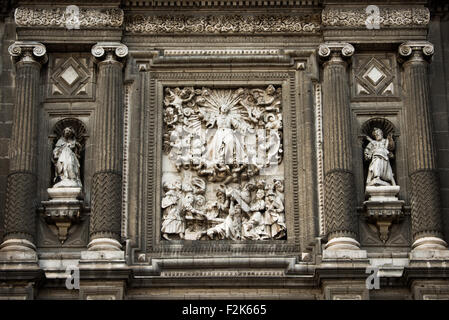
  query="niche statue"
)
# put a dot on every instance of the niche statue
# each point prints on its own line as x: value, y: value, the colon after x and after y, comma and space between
x: 379, y: 151
x: 65, y: 156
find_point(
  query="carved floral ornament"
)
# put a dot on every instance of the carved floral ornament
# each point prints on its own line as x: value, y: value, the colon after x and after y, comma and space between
x: 59, y: 17
x: 388, y: 17
x: 222, y: 24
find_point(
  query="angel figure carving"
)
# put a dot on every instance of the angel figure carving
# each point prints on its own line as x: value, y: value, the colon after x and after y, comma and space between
x: 227, y: 120
x: 379, y: 151
x: 65, y: 156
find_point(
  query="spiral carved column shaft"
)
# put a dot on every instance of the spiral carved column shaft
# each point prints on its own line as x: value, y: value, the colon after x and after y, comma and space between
x: 20, y: 209
x: 105, y: 220
x: 425, y: 194
x: 339, y: 188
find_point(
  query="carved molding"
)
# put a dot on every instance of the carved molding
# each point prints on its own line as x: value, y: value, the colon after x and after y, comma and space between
x: 226, y: 52
x: 222, y: 24
x: 220, y: 3
x: 59, y: 17
x: 388, y: 17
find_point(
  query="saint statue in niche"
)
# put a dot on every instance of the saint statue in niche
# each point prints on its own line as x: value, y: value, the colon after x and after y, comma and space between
x: 379, y: 151
x: 65, y: 155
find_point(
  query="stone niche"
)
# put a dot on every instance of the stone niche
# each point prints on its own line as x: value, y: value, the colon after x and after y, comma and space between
x: 382, y: 207
x: 65, y: 206
x: 222, y: 169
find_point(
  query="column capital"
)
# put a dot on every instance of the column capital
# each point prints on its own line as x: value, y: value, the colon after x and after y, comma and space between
x: 111, y: 51
x: 416, y: 50
x: 335, y: 49
x: 28, y: 52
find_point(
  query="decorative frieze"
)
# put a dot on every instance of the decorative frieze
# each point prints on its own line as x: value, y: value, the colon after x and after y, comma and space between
x: 388, y: 17
x: 60, y: 17
x: 222, y: 24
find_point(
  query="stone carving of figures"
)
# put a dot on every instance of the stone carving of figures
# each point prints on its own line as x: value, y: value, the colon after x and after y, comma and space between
x: 173, y: 223
x: 188, y: 208
x: 279, y: 189
x: 177, y: 97
x: 274, y: 217
x: 65, y: 155
x: 230, y: 227
x: 254, y: 227
x: 267, y: 98
x: 378, y: 151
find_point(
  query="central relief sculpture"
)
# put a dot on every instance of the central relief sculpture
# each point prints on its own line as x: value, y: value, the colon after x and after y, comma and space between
x: 222, y: 164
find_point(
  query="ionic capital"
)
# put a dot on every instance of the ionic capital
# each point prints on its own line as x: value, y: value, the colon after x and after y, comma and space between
x: 335, y: 50
x: 28, y: 52
x: 110, y: 51
x: 416, y: 50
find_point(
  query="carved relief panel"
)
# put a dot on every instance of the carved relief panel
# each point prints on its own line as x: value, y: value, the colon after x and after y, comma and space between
x: 216, y: 159
x: 222, y: 164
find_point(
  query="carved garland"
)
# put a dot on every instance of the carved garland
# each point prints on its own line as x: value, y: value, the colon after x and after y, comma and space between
x: 221, y: 24
x: 388, y: 17
x: 59, y: 17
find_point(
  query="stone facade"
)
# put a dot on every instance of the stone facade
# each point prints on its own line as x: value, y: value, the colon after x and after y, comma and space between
x: 182, y: 144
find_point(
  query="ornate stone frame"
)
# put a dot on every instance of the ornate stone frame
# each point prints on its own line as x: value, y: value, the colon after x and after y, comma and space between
x: 148, y: 216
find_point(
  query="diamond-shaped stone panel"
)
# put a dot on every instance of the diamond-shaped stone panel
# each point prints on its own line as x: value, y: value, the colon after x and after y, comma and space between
x: 374, y: 75
x: 69, y: 75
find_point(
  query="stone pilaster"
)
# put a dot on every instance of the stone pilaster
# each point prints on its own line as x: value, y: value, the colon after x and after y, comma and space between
x: 20, y: 208
x: 425, y: 192
x: 105, y: 223
x: 339, y: 188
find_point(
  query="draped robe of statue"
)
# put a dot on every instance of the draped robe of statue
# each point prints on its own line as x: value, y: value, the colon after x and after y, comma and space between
x: 67, y: 165
x: 378, y: 151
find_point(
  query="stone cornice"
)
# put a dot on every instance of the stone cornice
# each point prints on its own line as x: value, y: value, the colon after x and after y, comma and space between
x: 59, y: 17
x: 222, y: 24
x: 392, y: 17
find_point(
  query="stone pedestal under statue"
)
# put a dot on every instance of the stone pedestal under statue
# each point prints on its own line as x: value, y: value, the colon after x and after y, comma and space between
x: 383, y: 208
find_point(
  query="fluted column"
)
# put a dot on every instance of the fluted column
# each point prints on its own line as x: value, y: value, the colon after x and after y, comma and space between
x: 20, y: 209
x: 339, y: 188
x: 107, y: 180
x: 422, y: 169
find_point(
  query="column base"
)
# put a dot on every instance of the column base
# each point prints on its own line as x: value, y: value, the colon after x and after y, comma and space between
x: 343, y: 248
x: 104, y: 250
x: 429, y: 248
x: 429, y: 243
x: 342, y: 243
x: 17, y: 250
